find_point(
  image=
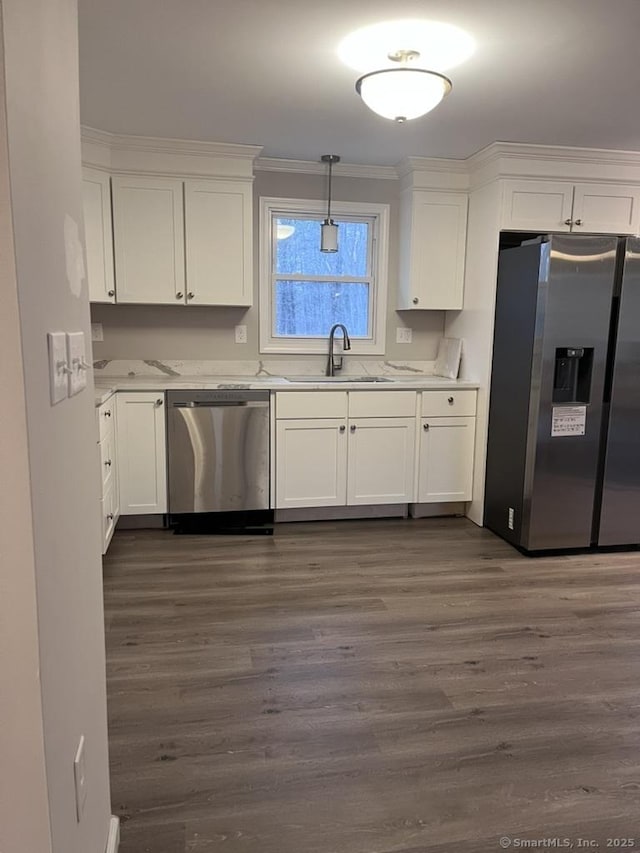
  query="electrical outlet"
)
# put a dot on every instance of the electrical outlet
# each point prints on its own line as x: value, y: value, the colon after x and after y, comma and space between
x: 96, y: 332
x: 403, y: 335
x: 241, y: 334
x: 58, y: 366
x: 80, y: 779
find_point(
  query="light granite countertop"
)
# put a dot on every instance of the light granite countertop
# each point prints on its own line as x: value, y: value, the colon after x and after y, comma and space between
x: 106, y: 386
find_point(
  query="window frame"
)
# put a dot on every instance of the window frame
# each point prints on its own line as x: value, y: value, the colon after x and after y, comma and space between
x: 288, y: 207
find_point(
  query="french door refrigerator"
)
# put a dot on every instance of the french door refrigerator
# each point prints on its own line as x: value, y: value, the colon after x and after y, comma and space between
x: 563, y: 458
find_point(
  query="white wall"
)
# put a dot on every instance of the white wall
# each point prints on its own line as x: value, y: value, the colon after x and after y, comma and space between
x: 61, y: 552
x: 24, y: 808
x: 175, y: 332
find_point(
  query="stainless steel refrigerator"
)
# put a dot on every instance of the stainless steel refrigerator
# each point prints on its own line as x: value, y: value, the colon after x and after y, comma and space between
x: 563, y: 459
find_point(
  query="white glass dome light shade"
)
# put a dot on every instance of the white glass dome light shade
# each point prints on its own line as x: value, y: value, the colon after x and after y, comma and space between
x: 441, y: 46
x: 402, y: 94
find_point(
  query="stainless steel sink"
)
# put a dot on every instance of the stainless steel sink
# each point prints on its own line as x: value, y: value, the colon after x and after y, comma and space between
x: 321, y: 379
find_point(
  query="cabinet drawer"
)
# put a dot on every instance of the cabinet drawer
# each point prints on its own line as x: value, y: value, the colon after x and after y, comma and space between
x: 107, y: 459
x: 106, y: 414
x: 311, y: 404
x: 108, y: 509
x: 382, y: 404
x: 448, y: 403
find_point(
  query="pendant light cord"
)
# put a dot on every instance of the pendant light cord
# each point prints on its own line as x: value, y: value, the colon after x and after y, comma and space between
x: 329, y: 199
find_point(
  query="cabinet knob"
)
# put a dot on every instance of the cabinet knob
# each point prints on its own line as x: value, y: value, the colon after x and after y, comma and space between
x: 342, y: 428
x: 179, y: 295
x: 107, y: 414
x: 159, y: 401
x: 568, y: 222
x: 450, y: 401
x: 578, y: 222
x: 190, y: 295
x: 110, y: 516
x: 425, y: 427
x: 415, y: 300
x: 352, y: 427
x: 108, y: 463
x: 111, y: 293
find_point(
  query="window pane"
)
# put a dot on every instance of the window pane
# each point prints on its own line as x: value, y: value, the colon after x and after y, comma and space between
x: 298, y: 250
x: 310, y: 308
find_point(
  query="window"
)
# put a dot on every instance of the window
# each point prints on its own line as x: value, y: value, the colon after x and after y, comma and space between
x: 303, y: 291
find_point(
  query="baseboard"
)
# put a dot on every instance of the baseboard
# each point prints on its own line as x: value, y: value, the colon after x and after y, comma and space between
x: 435, y: 509
x: 113, y: 839
x: 141, y: 522
x: 340, y: 513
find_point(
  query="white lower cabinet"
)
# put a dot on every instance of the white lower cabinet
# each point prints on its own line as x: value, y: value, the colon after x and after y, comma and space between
x: 311, y: 462
x: 445, y: 466
x: 381, y: 461
x: 142, y: 461
x: 107, y: 450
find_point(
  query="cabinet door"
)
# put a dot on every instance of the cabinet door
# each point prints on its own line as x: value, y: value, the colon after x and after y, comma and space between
x: 433, y: 228
x: 311, y: 463
x: 606, y: 209
x: 446, y: 459
x: 141, y: 445
x: 381, y: 460
x: 537, y: 206
x: 96, y: 202
x: 148, y: 225
x: 218, y: 229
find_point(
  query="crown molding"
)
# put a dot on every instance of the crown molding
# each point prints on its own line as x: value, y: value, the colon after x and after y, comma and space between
x: 158, y: 145
x: 557, y: 153
x: 311, y: 167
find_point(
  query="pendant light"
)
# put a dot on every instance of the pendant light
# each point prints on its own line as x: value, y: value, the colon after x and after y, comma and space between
x: 329, y: 229
x: 403, y: 93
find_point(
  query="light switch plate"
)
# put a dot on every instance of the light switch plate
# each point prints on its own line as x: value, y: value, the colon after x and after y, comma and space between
x: 96, y: 332
x: 80, y: 779
x: 77, y: 360
x: 241, y: 334
x: 403, y: 335
x: 57, y: 344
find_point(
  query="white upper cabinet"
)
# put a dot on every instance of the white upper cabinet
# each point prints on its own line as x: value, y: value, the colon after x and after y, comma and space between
x: 148, y: 224
x: 562, y: 206
x: 606, y: 209
x: 218, y: 230
x: 96, y: 199
x: 433, y: 228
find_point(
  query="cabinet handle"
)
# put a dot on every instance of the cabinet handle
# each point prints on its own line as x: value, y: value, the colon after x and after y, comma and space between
x: 568, y: 222
x: 342, y: 428
x: 425, y: 427
x: 108, y: 463
x: 190, y: 295
x: 179, y: 295
x: 110, y: 516
x: 578, y: 222
x: 352, y: 427
x: 159, y: 401
x: 415, y: 300
x: 111, y: 293
x: 107, y: 414
x: 450, y: 401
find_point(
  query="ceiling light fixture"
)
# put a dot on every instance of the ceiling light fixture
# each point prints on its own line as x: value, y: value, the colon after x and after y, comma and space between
x: 403, y: 93
x: 329, y: 229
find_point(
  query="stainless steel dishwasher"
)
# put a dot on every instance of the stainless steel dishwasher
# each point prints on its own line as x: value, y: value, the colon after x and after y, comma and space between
x: 218, y: 459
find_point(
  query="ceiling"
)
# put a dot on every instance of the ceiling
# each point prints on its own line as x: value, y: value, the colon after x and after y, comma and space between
x: 265, y: 72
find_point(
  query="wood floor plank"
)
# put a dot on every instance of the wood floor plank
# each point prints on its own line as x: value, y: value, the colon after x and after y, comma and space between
x: 384, y: 686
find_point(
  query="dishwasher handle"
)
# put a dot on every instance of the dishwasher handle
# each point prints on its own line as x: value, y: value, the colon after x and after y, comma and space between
x: 216, y: 404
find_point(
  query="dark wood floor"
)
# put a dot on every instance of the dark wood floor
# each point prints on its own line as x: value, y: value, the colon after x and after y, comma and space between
x: 368, y: 687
